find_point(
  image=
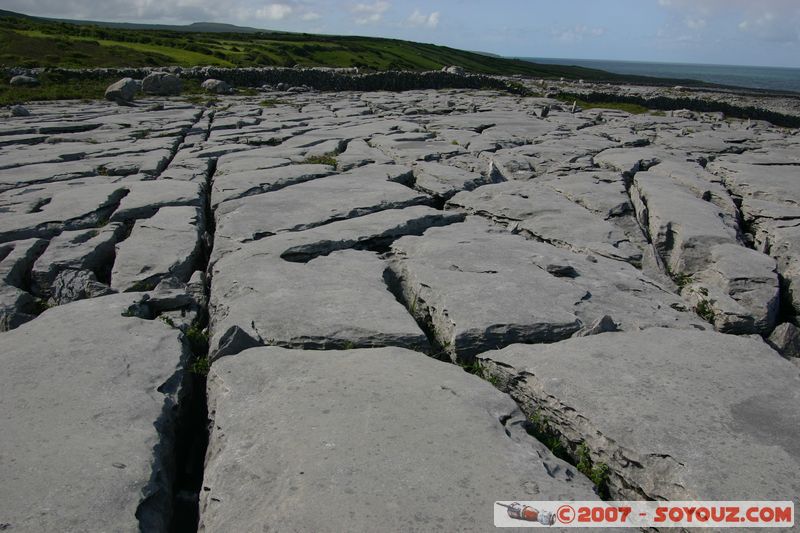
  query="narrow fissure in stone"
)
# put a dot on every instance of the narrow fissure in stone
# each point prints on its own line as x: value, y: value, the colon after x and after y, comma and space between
x: 192, y: 432
x: 191, y: 441
x: 418, y: 313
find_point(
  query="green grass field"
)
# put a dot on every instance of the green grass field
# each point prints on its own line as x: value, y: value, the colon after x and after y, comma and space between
x: 34, y: 42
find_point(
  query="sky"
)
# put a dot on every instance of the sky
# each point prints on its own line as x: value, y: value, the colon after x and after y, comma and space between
x: 735, y: 32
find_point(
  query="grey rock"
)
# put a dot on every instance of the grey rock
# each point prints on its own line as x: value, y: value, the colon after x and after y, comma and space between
x: 339, y: 300
x: 19, y: 111
x: 216, y: 86
x: 162, y: 84
x: 459, y: 71
x: 477, y: 287
x: 77, y: 207
x: 310, y: 204
x: 443, y: 181
x: 17, y: 305
x: 739, y: 287
x: 71, y: 285
x: 145, y: 198
x: 165, y: 245
x: 97, y: 393
x: 23, y: 80
x: 377, y: 435
x: 682, y: 227
x: 72, y: 258
x: 624, y: 395
x: 604, y: 324
x: 122, y: 91
x: 230, y: 186
x: 359, y: 153
x: 473, y: 297
x: 546, y: 215
x: 786, y: 340
x: 296, y: 290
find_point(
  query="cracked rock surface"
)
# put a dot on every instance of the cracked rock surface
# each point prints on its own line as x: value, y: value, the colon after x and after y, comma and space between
x: 390, y: 304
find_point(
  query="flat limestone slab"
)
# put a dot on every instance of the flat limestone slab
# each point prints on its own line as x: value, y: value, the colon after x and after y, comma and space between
x: 479, y: 287
x: 338, y: 300
x: 248, y: 183
x: 679, y: 415
x: 310, y: 204
x: 85, y: 413
x: 373, y: 436
x: 546, y: 215
x: 165, y: 245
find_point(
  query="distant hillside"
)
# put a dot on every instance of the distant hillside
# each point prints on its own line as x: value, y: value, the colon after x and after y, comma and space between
x: 205, y: 27
x: 28, y: 41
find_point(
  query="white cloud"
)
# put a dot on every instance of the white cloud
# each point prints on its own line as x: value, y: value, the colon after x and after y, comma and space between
x: 695, y: 23
x: 370, y: 13
x: 311, y: 15
x: 418, y: 18
x: 274, y: 11
x: 766, y: 20
x: 769, y: 26
x: 577, y: 33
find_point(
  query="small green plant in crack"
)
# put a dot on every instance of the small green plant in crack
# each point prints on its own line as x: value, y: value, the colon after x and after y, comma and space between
x: 270, y: 102
x: 477, y: 368
x: 197, y: 338
x: 325, y: 159
x: 168, y: 321
x: 412, y: 308
x: 705, y: 311
x: 598, y: 473
x: 542, y: 430
x: 143, y: 285
x: 140, y: 134
x: 200, y: 366
x: 40, y: 305
x: 681, y: 279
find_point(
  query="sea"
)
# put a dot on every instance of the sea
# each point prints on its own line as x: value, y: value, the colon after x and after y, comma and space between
x: 770, y: 78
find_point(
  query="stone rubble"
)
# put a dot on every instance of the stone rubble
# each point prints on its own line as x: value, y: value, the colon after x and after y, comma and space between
x: 624, y: 285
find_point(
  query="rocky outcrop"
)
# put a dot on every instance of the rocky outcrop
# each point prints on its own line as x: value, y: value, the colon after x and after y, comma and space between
x: 622, y: 395
x: 376, y: 301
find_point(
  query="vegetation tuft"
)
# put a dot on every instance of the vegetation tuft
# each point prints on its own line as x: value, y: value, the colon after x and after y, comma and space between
x: 598, y: 473
x: 325, y: 159
x: 476, y: 368
x: 705, y: 311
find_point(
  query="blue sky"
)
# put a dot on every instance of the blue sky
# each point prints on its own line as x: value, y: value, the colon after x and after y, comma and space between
x: 743, y: 32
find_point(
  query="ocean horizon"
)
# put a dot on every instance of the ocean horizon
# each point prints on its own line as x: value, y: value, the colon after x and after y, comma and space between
x: 769, y: 78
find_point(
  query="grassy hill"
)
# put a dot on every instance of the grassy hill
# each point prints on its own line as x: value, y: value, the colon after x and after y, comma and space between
x: 36, y: 42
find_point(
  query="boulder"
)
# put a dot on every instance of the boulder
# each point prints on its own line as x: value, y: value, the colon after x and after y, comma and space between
x: 22, y: 80
x: 19, y: 111
x: 459, y: 71
x: 786, y: 339
x: 216, y: 87
x: 162, y: 84
x: 122, y: 91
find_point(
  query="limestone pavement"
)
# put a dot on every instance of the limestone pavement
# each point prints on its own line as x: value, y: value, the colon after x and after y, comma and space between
x: 395, y: 307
